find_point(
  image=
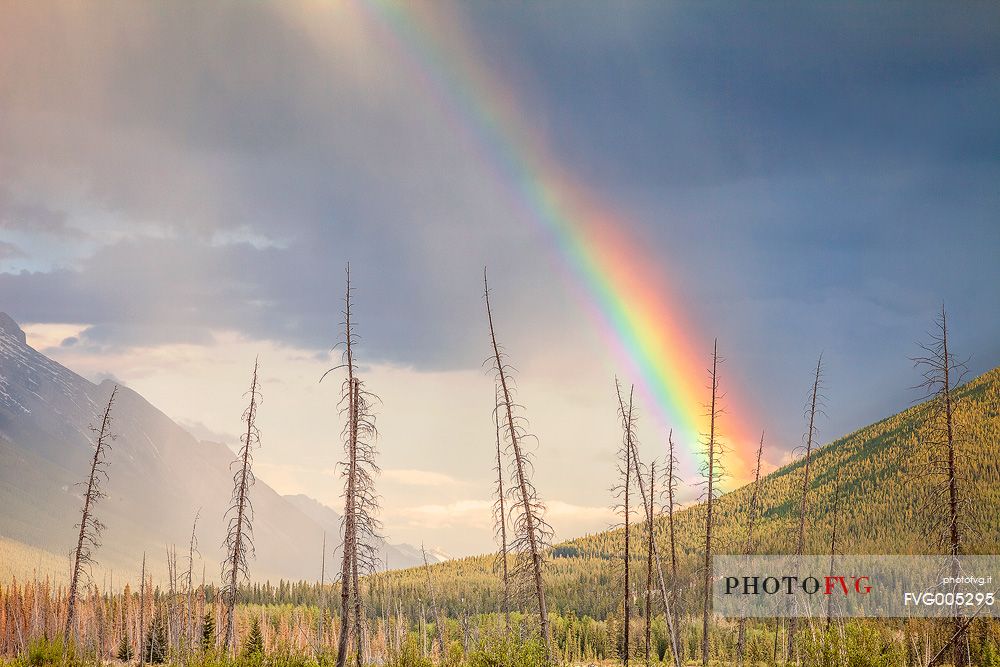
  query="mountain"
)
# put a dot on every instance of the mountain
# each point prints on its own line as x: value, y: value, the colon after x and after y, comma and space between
x: 878, y: 469
x: 160, y: 478
x: 434, y: 554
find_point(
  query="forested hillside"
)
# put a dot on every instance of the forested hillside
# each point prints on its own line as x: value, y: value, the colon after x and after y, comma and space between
x: 879, y: 512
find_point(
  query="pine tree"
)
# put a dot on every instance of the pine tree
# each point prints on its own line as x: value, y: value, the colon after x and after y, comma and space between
x: 254, y: 644
x: 125, y: 652
x: 156, y: 642
x: 208, y: 633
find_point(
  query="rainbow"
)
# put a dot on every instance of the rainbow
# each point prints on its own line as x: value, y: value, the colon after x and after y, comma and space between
x: 620, y: 282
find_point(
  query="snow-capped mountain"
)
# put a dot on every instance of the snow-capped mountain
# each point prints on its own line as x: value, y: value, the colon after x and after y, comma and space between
x: 160, y: 478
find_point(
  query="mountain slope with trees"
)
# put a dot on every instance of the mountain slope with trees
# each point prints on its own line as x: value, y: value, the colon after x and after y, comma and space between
x: 881, y: 492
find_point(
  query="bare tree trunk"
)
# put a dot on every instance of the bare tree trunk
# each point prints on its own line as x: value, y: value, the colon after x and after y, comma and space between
x: 833, y: 546
x: 667, y: 604
x: 348, y: 551
x: 190, y: 617
x: 142, y: 611
x: 359, y: 630
x: 360, y: 524
x: 651, y: 539
x: 438, y: 622
x: 625, y: 469
x: 777, y: 630
x: 749, y: 547
x: 239, y: 538
x: 941, y: 374
x: 533, y: 531
x: 814, y: 405
x: 322, y: 595
x: 500, y: 525
x: 671, y: 495
x: 712, y: 473
x: 90, y: 527
x: 349, y: 554
x: 954, y: 539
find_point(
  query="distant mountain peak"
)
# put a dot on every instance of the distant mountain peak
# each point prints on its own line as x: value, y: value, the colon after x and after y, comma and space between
x: 11, y: 328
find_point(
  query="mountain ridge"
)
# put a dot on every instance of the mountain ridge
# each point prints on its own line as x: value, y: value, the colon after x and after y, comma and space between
x: 45, y: 444
x: 878, y: 512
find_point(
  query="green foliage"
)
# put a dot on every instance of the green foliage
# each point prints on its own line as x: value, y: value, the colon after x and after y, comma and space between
x: 155, y: 648
x: 409, y: 655
x: 501, y: 650
x: 857, y: 643
x: 455, y: 654
x: 988, y: 654
x: 208, y: 633
x: 43, y: 652
x: 253, y: 647
x: 125, y: 652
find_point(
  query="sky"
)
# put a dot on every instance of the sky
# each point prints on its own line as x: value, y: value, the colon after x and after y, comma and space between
x: 184, y: 184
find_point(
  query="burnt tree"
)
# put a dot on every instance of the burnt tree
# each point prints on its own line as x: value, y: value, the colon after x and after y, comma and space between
x: 940, y: 461
x: 239, y: 535
x: 670, y: 482
x: 500, y: 523
x: 713, y: 472
x: 650, y: 545
x: 532, y: 534
x: 748, y: 548
x: 622, y: 493
x: 89, y: 537
x: 360, y: 525
x: 814, y: 406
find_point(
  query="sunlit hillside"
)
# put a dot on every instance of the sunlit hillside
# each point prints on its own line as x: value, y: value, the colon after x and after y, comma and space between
x: 878, y: 512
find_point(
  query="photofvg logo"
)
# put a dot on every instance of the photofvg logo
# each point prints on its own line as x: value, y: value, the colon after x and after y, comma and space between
x: 790, y: 585
x: 864, y: 585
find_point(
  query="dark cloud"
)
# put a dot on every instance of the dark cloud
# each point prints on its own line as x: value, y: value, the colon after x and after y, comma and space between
x: 808, y: 176
x: 19, y: 215
x: 154, y: 291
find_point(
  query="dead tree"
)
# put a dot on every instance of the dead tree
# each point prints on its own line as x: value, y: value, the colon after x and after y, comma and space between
x: 350, y: 493
x: 667, y: 603
x: 946, y: 506
x: 713, y: 472
x: 189, y: 583
x: 438, y: 621
x: 621, y: 492
x: 671, y: 489
x: 89, y: 538
x: 142, y: 611
x: 359, y: 525
x: 833, y: 545
x: 532, y: 534
x: 239, y: 536
x: 813, y: 407
x: 650, y: 545
x: 500, y: 523
x: 322, y: 593
x: 748, y: 547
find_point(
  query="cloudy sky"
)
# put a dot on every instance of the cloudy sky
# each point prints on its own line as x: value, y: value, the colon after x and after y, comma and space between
x: 183, y: 184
